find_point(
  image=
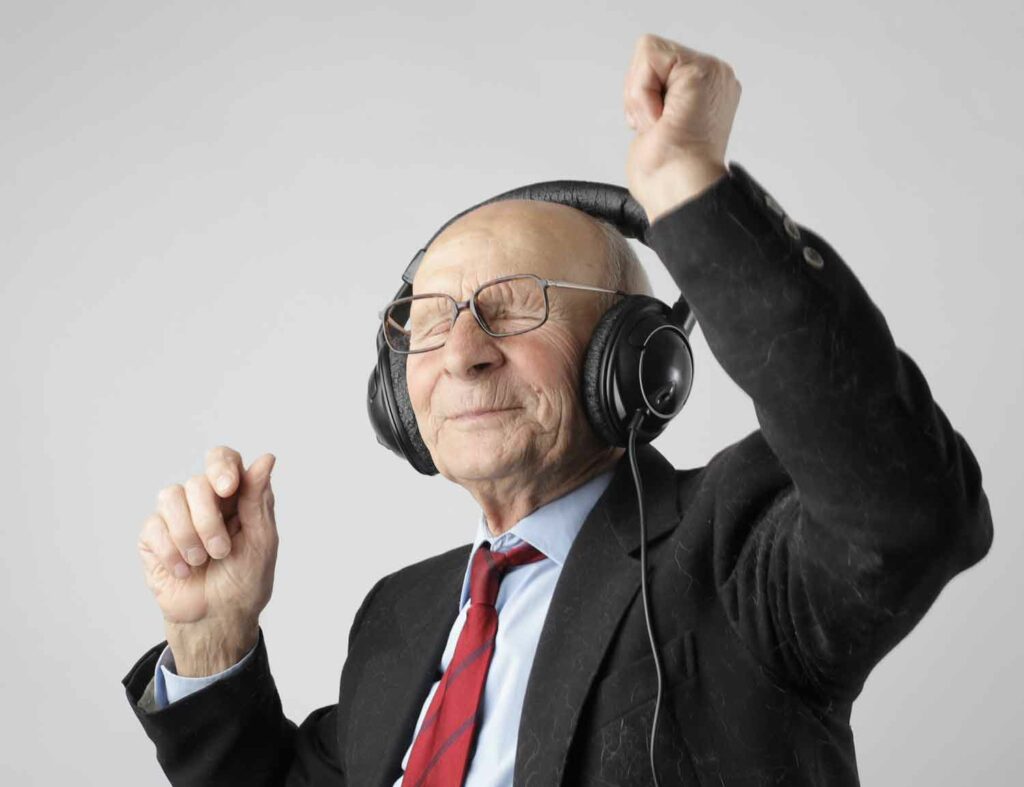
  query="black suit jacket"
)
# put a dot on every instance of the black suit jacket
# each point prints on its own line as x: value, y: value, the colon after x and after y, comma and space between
x: 780, y: 572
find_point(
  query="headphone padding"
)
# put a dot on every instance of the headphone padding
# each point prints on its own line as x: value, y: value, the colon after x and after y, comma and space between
x: 423, y: 460
x: 597, y: 350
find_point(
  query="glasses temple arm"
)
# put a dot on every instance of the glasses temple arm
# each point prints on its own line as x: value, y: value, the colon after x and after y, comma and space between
x: 574, y: 286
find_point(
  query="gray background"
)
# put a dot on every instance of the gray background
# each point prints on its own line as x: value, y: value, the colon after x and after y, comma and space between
x: 204, y: 206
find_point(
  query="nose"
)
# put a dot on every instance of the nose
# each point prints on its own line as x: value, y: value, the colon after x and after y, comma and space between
x: 470, y: 350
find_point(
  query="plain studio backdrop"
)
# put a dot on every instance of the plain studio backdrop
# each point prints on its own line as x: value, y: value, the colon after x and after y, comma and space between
x: 205, y: 205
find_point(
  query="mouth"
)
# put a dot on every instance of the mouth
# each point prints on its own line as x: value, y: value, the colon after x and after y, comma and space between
x: 476, y: 416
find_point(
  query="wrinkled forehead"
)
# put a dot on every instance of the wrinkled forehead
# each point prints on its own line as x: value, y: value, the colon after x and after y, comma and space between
x: 512, y: 236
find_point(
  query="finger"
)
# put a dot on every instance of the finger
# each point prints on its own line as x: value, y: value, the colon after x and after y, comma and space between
x: 642, y: 86
x: 255, y: 497
x: 206, y: 516
x: 173, y: 507
x: 646, y: 97
x: 653, y: 60
x: 223, y: 469
x: 155, y: 545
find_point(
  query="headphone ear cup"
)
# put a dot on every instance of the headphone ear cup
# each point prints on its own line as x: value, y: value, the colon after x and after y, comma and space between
x: 418, y: 454
x: 616, y: 372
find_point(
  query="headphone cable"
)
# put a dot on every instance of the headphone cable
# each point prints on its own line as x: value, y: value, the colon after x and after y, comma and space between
x: 634, y: 426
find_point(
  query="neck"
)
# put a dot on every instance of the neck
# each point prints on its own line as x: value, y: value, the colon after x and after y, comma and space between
x: 505, y: 501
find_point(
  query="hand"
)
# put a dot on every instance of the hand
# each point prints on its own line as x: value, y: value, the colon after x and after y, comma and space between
x: 681, y: 103
x: 208, y: 553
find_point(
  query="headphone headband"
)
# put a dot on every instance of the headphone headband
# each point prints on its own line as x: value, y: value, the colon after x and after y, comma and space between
x: 605, y: 201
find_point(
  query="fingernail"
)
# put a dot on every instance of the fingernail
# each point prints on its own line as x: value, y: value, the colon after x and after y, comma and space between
x: 223, y: 484
x: 195, y: 556
x: 218, y: 546
x: 181, y: 571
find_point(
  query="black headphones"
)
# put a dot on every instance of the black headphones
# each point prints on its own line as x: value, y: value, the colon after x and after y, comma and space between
x: 638, y: 363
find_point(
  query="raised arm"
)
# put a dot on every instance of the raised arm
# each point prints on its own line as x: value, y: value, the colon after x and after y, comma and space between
x: 841, y: 519
x: 881, y: 502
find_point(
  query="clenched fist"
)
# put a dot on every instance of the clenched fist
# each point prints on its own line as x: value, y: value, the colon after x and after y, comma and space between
x: 681, y: 103
x: 208, y: 553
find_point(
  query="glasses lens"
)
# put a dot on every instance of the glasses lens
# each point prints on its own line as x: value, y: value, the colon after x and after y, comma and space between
x: 512, y: 306
x: 419, y: 323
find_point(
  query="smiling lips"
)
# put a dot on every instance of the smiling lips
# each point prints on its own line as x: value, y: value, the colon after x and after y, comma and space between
x: 479, y: 415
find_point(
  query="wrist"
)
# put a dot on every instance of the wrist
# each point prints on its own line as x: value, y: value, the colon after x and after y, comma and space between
x: 677, y: 182
x: 205, y: 651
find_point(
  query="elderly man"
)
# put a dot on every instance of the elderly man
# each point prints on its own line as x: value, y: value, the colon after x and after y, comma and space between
x: 780, y: 572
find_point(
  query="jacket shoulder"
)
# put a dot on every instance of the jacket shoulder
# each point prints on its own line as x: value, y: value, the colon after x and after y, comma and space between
x: 407, y: 579
x: 427, y: 569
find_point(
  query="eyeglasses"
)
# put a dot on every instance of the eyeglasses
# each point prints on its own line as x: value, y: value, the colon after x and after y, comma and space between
x: 506, y: 306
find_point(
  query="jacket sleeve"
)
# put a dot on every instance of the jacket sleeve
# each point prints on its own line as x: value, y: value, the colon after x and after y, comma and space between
x: 878, y: 502
x: 169, y: 686
x: 234, y: 732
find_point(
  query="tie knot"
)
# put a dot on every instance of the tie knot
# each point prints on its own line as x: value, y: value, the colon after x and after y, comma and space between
x: 489, y: 568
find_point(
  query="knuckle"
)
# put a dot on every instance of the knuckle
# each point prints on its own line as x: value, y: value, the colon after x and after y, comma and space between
x: 159, y: 542
x: 195, y: 484
x: 204, y: 531
x: 180, y: 528
x: 149, y: 525
x: 151, y: 536
x: 169, y: 493
x: 650, y: 40
x: 696, y: 70
x: 209, y: 529
x: 168, y: 554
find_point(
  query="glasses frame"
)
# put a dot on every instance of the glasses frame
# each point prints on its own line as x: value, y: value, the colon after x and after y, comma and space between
x: 470, y: 303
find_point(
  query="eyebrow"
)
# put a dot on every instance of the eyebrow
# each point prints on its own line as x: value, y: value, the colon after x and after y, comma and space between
x: 445, y: 279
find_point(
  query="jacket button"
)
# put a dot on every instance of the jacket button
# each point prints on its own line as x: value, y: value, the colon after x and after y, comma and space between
x: 773, y: 206
x: 791, y: 229
x: 813, y: 258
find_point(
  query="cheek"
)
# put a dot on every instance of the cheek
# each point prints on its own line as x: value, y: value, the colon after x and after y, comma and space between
x: 552, y: 370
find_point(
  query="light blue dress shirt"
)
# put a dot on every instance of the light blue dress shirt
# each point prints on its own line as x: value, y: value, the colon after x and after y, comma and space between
x: 522, y: 604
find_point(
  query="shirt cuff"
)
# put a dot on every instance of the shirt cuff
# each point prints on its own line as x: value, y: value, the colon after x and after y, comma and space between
x: 170, y: 687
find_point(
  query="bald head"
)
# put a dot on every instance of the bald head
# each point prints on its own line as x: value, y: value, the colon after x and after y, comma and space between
x: 578, y: 241
x: 622, y: 266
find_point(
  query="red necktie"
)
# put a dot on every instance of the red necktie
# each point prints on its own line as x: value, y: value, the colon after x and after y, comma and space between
x: 440, y: 754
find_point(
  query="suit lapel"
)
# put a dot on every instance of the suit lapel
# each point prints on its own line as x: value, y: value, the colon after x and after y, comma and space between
x: 402, y: 669
x: 599, y: 579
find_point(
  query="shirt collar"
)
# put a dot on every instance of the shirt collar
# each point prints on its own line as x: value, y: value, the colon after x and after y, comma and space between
x: 552, y: 528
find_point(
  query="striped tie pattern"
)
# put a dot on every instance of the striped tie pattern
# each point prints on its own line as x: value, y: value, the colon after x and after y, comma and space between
x: 440, y: 755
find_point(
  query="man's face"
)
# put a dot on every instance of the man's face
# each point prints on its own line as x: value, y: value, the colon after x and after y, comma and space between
x: 532, y: 378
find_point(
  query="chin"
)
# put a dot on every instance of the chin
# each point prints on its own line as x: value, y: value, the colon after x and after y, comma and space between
x: 474, y: 456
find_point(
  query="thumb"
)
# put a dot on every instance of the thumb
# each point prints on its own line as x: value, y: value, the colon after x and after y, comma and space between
x: 254, y: 492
